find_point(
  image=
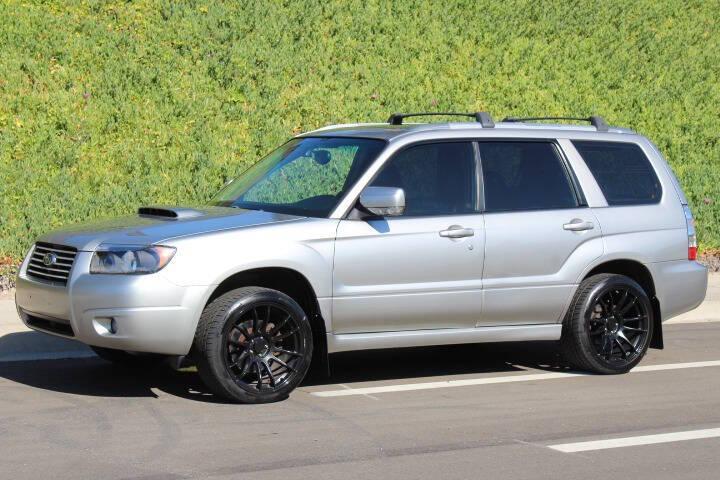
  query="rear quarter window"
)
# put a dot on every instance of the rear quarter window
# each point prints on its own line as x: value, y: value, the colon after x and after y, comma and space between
x: 622, y: 171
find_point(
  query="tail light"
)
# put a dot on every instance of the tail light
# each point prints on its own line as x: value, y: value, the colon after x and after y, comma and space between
x: 692, y: 238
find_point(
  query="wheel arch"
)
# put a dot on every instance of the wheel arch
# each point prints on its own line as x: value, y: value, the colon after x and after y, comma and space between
x: 641, y: 274
x: 293, y: 284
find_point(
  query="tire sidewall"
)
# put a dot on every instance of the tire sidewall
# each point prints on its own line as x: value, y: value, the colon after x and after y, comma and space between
x: 216, y: 356
x: 580, y: 323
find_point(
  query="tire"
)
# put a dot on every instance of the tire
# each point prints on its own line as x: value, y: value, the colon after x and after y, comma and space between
x: 608, y: 326
x: 129, y: 359
x: 253, y: 345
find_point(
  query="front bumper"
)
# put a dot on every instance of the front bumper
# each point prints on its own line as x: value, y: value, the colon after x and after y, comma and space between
x: 149, y: 312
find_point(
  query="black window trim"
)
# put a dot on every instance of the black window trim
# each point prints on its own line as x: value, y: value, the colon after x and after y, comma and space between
x: 578, y: 194
x: 647, y: 159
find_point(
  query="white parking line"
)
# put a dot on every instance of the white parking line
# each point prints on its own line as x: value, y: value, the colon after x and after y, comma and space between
x: 634, y: 441
x: 675, y: 366
x: 494, y: 380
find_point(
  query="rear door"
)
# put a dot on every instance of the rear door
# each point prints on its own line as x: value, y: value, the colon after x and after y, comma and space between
x: 421, y: 270
x: 539, y: 232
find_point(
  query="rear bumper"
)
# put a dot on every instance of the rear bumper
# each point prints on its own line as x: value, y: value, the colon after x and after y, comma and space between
x: 680, y: 286
x: 149, y: 313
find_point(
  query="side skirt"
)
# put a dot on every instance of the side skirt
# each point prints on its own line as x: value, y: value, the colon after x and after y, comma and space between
x: 446, y: 336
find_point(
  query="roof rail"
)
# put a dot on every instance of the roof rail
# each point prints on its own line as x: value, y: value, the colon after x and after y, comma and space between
x: 595, y: 120
x: 483, y: 118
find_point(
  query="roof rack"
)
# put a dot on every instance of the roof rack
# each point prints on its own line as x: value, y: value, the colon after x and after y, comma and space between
x: 595, y: 120
x: 483, y: 118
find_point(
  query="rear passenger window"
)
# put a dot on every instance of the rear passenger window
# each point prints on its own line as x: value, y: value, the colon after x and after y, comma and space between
x: 524, y: 176
x: 623, y: 172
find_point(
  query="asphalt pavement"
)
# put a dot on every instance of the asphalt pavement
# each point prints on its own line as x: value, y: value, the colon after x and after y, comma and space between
x: 460, y: 412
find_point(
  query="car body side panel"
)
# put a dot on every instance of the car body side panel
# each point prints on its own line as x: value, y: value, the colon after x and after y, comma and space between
x: 656, y: 236
x: 532, y: 264
x: 400, y: 274
x: 442, y: 336
x: 644, y: 246
x: 680, y: 284
x: 305, y: 246
x: 644, y: 228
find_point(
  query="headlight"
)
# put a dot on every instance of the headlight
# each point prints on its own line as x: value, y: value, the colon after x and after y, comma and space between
x: 129, y: 259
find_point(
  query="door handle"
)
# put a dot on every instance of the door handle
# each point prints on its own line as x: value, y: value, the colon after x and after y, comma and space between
x: 578, y: 225
x: 457, y: 231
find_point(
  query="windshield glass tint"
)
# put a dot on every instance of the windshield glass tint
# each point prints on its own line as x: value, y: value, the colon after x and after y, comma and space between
x: 306, y: 176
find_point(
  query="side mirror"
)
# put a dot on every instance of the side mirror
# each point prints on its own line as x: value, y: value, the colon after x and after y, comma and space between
x: 383, y: 201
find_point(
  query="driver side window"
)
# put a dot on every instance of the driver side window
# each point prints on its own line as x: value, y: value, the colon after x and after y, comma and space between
x: 438, y: 178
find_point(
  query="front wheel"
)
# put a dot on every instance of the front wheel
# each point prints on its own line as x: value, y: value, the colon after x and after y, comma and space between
x: 253, y: 345
x: 608, y: 326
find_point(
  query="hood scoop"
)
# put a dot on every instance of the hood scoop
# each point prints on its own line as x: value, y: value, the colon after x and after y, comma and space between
x: 173, y: 213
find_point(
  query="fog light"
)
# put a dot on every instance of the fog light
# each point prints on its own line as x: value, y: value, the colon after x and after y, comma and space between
x: 105, y: 325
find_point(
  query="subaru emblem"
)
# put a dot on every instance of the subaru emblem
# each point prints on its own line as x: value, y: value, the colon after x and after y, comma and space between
x: 49, y: 259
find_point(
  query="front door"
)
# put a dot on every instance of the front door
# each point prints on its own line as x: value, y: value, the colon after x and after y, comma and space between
x: 421, y: 270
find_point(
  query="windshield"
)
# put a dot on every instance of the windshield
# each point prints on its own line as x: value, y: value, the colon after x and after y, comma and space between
x: 306, y: 176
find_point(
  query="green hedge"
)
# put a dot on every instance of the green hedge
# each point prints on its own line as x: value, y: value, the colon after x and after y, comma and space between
x: 107, y: 105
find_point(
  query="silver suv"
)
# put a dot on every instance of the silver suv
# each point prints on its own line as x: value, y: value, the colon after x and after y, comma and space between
x: 371, y: 236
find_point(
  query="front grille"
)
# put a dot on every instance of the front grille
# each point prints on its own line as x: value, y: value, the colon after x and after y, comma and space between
x: 51, y: 262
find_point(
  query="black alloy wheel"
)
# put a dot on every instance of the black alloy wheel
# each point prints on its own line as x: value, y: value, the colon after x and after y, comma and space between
x: 263, y: 346
x: 253, y: 345
x: 619, y: 325
x: 608, y: 326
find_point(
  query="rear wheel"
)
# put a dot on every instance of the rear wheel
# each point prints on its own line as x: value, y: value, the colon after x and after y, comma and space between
x: 253, y: 345
x: 608, y: 326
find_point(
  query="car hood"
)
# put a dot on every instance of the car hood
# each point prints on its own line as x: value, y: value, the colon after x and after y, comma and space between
x: 158, y: 224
